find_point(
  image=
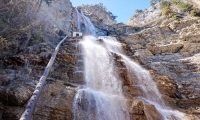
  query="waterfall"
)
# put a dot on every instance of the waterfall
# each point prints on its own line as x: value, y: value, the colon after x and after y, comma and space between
x: 84, y: 24
x: 144, y: 82
x: 78, y: 19
x: 151, y: 93
x: 102, y: 97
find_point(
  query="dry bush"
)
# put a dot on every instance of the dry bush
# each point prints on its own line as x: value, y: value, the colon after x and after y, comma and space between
x: 4, y: 44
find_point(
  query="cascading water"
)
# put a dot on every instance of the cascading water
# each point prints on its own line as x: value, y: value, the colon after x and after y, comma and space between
x: 78, y: 19
x: 84, y: 24
x: 102, y: 96
x: 145, y: 83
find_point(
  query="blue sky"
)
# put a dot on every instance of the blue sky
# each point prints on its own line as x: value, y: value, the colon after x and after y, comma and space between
x: 123, y: 9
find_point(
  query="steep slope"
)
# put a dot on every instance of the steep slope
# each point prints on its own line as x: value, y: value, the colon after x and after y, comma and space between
x: 158, y: 11
x: 171, y: 48
x: 98, y: 13
x: 29, y: 31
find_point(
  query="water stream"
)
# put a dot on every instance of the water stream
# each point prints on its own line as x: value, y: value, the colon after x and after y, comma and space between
x: 102, y: 96
x: 84, y: 24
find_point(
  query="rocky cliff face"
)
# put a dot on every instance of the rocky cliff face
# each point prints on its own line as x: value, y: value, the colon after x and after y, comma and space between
x: 165, y: 9
x: 98, y: 14
x: 171, y: 48
x: 150, y: 15
x: 100, y: 17
x: 28, y: 47
x: 168, y: 48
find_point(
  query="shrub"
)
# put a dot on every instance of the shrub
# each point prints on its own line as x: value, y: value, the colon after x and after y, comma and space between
x: 193, y: 13
x: 166, y: 10
x: 3, y: 43
x: 185, y: 7
x: 113, y: 17
x: 153, y: 2
x: 173, y: 15
x: 165, y: 4
x: 139, y: 11
x: 175, y: 2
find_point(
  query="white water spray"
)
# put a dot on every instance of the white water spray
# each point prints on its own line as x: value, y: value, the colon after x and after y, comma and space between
x: 88, y: 28
x: 145, y: 83
x: 102, y: 97
x: 78, y: 19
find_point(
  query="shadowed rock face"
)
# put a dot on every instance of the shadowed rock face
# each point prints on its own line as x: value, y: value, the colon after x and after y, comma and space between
x: 18, y: 79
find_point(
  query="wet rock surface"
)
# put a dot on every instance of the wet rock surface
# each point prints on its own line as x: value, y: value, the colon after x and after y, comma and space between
x: 172, y: 59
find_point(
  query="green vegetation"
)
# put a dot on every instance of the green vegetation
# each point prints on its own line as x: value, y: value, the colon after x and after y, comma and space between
x: 195, y: 12
x: 173, y: 15
x: 165, y: 4
x: 100, y: 7
x: 166, y: 10
x: 171, y: 8
x: 113, y: 17
x: 137, y: 12
x: 175, y: 2
x: 153, y: 2
x: 185, y: 7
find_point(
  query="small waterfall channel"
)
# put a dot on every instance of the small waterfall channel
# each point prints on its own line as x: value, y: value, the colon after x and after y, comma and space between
x: 84, y: 24
x: 102, y: 97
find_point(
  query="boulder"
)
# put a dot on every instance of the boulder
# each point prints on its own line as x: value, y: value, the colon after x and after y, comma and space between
x: 171, y: 48
x: 191, y: 48
x: 152, y: 113
x: 56, y: 102
x: 17, y: 93
x: 136, y: 109
x: 166, y: 85
x: 143, y: 53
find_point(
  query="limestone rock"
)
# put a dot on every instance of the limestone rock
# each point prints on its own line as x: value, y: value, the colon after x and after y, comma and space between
x: 136, y: 108
x: 56, y: 102
x: 16, y: 93
x: 152, y: 113
x: 98, y: 14
x: 166, y: 85
x: 171, y: 48
x: 148, y: 16
x: 143, y: 53
x: 191, y: 48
